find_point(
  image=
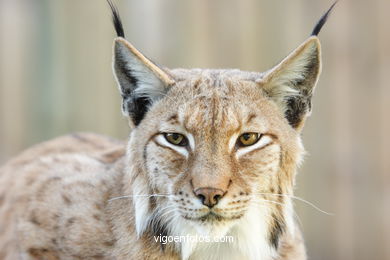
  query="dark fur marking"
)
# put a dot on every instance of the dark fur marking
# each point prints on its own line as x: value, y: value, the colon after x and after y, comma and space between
x: 173, y: 117
x: 109, y: 243
x: 139, y: 107
x: 37, y: 252
x: 158, y: 228
x: 70, y: 221
x: 277, y: 229
x: 136, y: 107
x: 250, y: 118
x: 152, y: 203
x: 34, y: 219
x: 116, y: 20
x: 99, y: 206
x: 144, y: 152
x: 86, y: 140
x: 297, y: 107
x: 322, y: 21
x: 66, y: 199
x: 122, y: 65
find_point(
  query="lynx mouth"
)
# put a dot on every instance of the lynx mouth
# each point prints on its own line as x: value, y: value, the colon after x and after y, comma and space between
x: 212, y: 217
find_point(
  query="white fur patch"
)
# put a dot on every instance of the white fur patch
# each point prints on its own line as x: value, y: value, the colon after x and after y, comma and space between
x: 141, y: 204
x: 250, y: 238
x: 191, y: 141
x: 264, y: 140
x: 233, y: 141
x: 148, y: 84
x: 181, y: 150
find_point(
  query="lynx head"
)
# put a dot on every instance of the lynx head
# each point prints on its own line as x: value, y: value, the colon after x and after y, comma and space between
x: 217, y: 150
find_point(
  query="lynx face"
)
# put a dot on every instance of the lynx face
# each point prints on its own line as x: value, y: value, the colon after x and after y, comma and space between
x: 217, y: 146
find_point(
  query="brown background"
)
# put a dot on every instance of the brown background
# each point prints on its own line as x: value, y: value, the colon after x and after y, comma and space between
x: 55, y: 78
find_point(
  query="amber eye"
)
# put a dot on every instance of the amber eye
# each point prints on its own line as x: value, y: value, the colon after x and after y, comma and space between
x: 176, y: 139
x: 248, y: 139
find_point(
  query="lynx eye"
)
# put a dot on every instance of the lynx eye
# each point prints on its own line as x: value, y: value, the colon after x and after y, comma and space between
x: 176, y: 139
x: 248, y: 139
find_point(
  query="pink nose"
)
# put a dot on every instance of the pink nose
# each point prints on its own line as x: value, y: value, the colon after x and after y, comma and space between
x: 209, y: 196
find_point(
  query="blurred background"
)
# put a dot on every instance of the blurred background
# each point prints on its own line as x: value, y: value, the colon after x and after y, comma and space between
x: 55, y: 78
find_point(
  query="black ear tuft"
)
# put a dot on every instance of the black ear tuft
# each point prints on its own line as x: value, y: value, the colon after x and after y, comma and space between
x: 322, y: 21
x: 116, y: 20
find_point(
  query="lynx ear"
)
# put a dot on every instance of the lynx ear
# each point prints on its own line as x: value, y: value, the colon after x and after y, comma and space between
x: 140, y: 81
x: 291, y: 83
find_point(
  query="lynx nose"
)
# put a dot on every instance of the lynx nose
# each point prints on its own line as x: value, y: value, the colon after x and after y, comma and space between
x: 209, y: 196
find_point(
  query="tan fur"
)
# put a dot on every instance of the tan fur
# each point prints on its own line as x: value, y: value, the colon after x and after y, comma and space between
x: 63, y: 199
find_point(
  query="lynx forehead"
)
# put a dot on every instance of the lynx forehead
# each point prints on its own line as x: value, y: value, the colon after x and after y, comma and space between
x: 211, y: 153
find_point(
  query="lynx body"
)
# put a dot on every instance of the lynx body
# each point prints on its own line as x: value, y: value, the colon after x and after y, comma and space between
x: 211, y: 153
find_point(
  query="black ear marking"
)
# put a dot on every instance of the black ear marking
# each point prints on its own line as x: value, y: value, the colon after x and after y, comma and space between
x: 297, y: 108
x: 116, y: 19
x: 121, y: 65
x: 140, y: 81
x: 322, y: 21
x: 136, y: 107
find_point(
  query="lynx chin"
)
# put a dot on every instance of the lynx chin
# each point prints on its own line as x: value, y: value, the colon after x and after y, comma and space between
x: 211, y: 153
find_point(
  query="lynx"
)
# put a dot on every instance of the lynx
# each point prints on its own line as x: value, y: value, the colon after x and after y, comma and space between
x: 211, y: 153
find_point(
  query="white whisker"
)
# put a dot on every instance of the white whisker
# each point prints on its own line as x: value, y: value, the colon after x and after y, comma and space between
x: 299, y: 199
x: 270, y: 201
x: 145, y: 196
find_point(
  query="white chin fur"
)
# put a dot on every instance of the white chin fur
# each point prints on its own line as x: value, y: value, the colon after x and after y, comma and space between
x: 250, y: 238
